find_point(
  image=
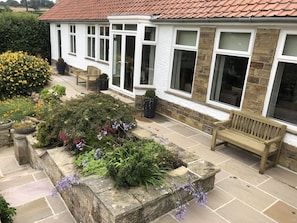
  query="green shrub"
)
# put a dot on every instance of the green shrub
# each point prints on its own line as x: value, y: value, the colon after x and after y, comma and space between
x: 81, y: 115
x: 24, y: 32
x: 6, y: 212
x: 16, y: 108
x: 135, y: 163
x: 22, y: 74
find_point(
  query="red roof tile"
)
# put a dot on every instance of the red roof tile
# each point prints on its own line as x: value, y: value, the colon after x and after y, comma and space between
x: 170, y: 9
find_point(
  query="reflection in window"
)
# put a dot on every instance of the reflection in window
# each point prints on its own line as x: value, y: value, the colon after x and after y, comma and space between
x: 184, y: 59
x: 147, y: 64
x: 183, y: 70
x: 283, y: 101
x: 228, y: 80
x: 72, y: 39
x: 91, y: 41
x: 148, y: 56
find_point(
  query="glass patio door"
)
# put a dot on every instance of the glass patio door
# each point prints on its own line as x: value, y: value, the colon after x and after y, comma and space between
x: 123, y: 61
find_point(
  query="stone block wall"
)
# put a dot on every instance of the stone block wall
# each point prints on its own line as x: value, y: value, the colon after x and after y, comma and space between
x: 260, y: 69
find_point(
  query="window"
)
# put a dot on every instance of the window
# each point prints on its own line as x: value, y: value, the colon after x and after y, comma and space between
x: 185, y: 50
x: 91, y: 41
x: 283, y: 100
x: 72, y: 39
x: 148, y: 56
x: 231, y: 62
x: 103, y: 43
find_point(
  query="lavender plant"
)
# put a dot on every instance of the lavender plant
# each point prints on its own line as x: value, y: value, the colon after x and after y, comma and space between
x: 65, y: 183
x: 196, y: 192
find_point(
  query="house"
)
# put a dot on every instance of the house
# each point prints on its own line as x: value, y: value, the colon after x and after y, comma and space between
x: 203, y: 57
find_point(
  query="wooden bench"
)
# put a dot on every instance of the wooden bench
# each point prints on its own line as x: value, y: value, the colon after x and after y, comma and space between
x: 91, y: 74
x: 253, y: 133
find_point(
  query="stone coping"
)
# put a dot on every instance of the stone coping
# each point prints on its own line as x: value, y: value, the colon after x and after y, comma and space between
x: 96, y: 200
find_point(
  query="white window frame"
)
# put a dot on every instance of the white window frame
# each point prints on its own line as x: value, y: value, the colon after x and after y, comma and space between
x: 92, y: 36
x: 277, y: 59
x: 105, y: 40
x: 187, y: 48
x: 216, y: 51
x: 150, y: 43
x: 72, y: 38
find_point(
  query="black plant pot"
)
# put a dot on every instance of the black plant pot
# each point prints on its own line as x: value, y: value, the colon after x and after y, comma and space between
x: 102, y: 84
x: 61, y: 68
x: 150, y: 107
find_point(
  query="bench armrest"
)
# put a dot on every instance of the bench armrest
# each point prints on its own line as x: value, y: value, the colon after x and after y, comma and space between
x: 273, y: 140
x: 222, y: 124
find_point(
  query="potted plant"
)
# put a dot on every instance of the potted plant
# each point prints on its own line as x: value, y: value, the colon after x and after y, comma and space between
x: 61, y: 65
x: 150, y: 103
x: 102, y: 82
x: 5, y: 124
x: 25, y: 127
x: 6, y: 211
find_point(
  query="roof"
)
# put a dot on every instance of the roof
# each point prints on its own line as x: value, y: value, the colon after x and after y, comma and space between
x: 78, y: 10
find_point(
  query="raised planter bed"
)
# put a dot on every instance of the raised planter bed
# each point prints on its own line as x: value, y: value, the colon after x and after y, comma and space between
x: 96, y: 200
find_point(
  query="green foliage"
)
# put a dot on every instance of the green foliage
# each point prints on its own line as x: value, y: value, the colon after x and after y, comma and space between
x: 150, y: 93
x: 22, y: 74
x: 56, y: 92
x: 135, y: 163
x: 6, y: 212
x: 16, y: 108
x: 94, y: 166
x: 81, y: 115
x: 103, y: 76
x: 24, y: 32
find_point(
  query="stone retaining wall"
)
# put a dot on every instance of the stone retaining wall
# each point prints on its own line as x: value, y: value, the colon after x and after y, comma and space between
x: 96, y: 200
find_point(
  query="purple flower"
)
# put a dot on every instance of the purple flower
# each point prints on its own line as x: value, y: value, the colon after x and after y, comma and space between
x: 65, y: 183
x: 99, y: 136
x: 98, y: 154
x: 80, y: 145
x: 85, y: 162
x: 181, y: 211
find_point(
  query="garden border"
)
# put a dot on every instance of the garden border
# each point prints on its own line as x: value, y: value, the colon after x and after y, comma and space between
x: 96, y: 200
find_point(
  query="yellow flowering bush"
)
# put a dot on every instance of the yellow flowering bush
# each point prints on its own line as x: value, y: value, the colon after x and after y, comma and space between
x: 22, y: 74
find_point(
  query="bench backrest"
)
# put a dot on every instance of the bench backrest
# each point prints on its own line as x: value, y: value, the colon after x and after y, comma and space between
x: 256, y: 126
x: 93, y: 70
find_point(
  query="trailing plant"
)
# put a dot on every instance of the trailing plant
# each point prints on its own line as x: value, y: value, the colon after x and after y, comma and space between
x: 81, y: 115
x: 16, y: 108
x: 6, y: 211
x: 65, y: 183
x: 22, y: 74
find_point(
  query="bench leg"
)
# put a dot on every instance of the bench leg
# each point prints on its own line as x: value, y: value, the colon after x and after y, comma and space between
x: 263, y: 162
x: 87, y: 83
x: 213, y: 141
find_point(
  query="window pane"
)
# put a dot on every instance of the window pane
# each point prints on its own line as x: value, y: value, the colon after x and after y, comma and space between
x: 101, y: 49
x: 235, y: 41
x: 228, y: 80
x: 130, y: 27
x: 89, y: 29
x: 147, y: 64
x: 283, y: 101
x: 150, y: 33
x: 89, y: 46
x: 107, y: 50
x: 117, y: 26
x: 74, y: 44
x: 93, y: 47
x: 93, y: 30
x: 107, y: 31
x: 290, y: 48
x: 188, y: 38
x: 101, y: 30
x: 183, y: 70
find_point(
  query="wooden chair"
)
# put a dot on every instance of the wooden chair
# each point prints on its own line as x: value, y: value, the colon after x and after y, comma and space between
x: 91, y: 74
